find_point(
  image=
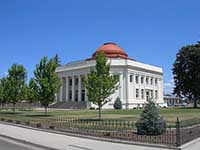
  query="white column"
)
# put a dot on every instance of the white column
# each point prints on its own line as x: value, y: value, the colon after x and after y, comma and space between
x: 61, y: 91
x: 139, y: 88
x: 134, y: 87
x: 86, y: 98
x: 121, y: 87
x: 67, y: 89
x: 160, y: 91
x: 127, y: 89
x: 79, y: 88
x: 145, y: 97
x: 154, y: 94
x: 73, y: 91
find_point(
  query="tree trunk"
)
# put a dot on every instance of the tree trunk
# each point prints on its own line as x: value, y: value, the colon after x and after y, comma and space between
x: 99, y: 112
x: 14, y: 107
x: 195, y: 103
x: 29, y: 106
x: 45, y: 107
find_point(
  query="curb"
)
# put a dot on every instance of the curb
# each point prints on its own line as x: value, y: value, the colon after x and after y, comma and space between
x: 87, y: 137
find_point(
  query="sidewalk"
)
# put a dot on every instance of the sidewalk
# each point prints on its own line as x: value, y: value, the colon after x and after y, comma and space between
x: 64, y: 142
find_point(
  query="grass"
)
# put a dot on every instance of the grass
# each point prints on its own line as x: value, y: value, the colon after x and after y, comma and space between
x: 169, y: 114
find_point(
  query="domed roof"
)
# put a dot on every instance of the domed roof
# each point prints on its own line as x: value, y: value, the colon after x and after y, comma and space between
x: 111, y: 50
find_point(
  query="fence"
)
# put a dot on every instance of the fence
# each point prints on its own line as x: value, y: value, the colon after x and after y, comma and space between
x: 182, y: 132
x: 189, y: 130
x: 114, y: 129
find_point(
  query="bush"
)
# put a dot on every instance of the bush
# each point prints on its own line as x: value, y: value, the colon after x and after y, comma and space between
x: 118, y: 103
x: 150, y: 122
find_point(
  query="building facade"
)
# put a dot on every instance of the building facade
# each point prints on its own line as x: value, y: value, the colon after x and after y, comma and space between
x: 138, y: 82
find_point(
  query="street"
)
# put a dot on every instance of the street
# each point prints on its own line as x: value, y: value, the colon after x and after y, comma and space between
x: 7, y: 144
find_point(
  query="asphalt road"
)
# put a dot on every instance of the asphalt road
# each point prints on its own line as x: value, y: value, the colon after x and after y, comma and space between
x: 7, y: 144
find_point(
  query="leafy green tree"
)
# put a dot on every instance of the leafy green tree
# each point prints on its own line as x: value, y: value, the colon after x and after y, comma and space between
x: 3, y: 89
x: 1, y: 93
x: 118, y: 103
x: 186, y: 71
x: 99, y: 83
x: 46, y: 82
x: 150, y: 122
x: 14, y: 84
x: 57, y: 60
x: 30, y: 92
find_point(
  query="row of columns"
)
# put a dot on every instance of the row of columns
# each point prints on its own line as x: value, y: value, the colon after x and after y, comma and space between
x: 69, y: 88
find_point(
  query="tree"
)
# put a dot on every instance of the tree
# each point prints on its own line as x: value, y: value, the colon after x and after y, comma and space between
x: 46, y: 82
x: 1, y: 93
x: 14, y: 84
x: 57, y: 60
x: 99, y: 83
x: 30, y: 92
x: 186, y: 71
x: 118, y: 103
x: 150, y: 122
x: 3, y: 89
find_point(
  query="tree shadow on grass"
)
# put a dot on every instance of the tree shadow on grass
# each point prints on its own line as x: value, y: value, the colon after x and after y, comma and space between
x: 38, y: 116
x: 187, y: 108
x: 9, y: 113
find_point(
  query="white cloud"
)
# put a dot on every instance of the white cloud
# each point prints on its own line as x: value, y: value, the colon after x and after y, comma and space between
x: 168, y: 87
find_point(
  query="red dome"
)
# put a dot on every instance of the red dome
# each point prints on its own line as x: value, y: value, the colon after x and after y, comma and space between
x: 111, y: 50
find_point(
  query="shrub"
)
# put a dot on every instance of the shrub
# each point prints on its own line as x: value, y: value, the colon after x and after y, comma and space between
x: 150, y: 122
x: 118, y: 103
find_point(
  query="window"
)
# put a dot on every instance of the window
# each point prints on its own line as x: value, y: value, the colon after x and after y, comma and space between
x: 76, y: 96
x: 136, y: 79
x: 156, y: 81
x: 137, y: 93
x: 151, y: 93
x: 83, y: 95
x: 156, y: 94
x: 70, y: 82
x: 70, y: 95
x: 142, y: 80
x: 142, y: 93
x: 131, y: 78
x: 151, y: 81
x: 147, y: 80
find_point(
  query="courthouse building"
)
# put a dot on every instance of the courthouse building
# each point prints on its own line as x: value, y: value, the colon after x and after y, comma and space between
x: 138, y: 82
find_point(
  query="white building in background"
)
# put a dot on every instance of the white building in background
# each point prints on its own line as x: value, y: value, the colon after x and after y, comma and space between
x: 137, y: 81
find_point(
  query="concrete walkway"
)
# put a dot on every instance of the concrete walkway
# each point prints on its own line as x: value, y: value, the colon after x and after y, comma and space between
x: 64, y: 142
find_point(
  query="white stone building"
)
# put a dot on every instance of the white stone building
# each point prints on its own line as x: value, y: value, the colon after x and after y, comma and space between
x: 137, y: 81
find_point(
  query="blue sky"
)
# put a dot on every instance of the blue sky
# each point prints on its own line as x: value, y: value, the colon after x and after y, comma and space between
x: 149, y: 31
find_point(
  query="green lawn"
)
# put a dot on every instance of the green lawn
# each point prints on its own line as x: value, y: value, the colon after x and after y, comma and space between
x: 169, y: 114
